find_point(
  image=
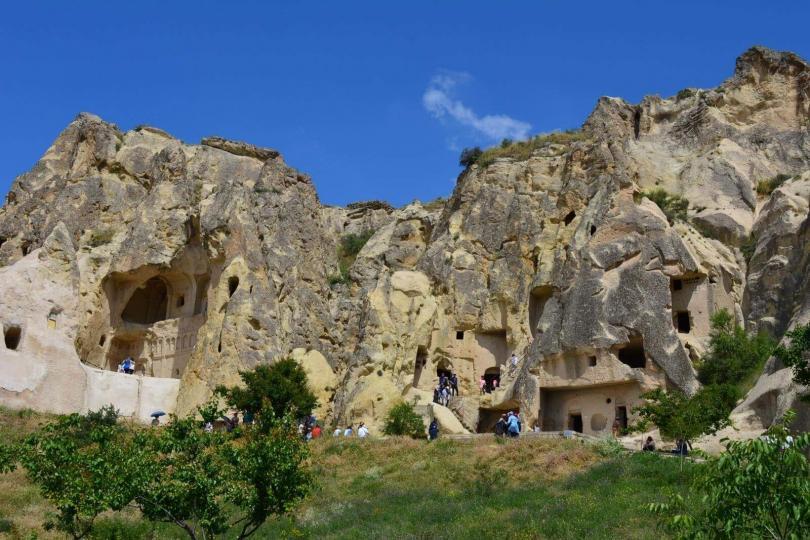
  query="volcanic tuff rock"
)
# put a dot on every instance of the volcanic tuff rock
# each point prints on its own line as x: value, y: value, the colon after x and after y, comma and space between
x: 200, y: 260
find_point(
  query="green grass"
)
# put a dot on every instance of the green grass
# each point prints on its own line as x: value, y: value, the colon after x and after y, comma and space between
x: 406, y: 488
x: 350, y: 246
x: 766, y: 187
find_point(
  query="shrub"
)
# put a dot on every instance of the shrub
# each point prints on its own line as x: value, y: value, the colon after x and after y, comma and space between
x: 766, y: 187
x: 684, y: 93
x: 271, y: 391
x: 487, y: 479
x: 403, y: 420
x: 749, y: 247
x: 679, y: 416
x: 351, y: 244
x: 796, y: 354
x: 755, y: 489
x: 469, y: 156
x: 673, y: 206
x: 100, y: 237
x: 734, y: 356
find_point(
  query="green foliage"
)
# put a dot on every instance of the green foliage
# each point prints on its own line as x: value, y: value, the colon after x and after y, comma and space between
x: 487, y: 479
x: 679, y: 416
x: 797, y: 355
x: 350, y: 246
x: 748, y: 247
x: 271, y: 391
x: 100, y: 237
x: 766, y: 187
x: 203, y: 483
x: 734, y: 356
x: 469, y: 156
x: 755, y: 489
x: 673, y: 206
x: 684, y: 93
x: 609, y: 448
x: 522, y: 150
x: 403, y: 420
x: 210, y: 410
x: 83, y: 465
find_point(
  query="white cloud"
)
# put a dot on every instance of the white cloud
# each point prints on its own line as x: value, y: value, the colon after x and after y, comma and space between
x: 438, y: 100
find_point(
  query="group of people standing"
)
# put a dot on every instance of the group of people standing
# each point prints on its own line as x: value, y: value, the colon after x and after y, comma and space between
x: 448, y: 386
x: 362, y: 431
x: 508, y: 425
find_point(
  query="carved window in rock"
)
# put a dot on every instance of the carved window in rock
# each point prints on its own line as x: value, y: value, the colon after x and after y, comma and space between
x: 12, y: 335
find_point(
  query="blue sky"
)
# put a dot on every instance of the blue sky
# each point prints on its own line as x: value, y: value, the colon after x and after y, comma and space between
x: 373, y: 99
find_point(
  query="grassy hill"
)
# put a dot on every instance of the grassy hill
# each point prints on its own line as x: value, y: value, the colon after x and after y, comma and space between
x: 401, y: 488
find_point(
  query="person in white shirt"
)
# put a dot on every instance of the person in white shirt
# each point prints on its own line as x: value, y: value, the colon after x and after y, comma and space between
x: 348, y: 431
x: 336, y: 433
x: 362, y: 431
x: 514, y: 360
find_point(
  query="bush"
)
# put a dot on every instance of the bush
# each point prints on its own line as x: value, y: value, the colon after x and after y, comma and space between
x: 679, y: 416
x: 523, y: 150
x: 684, y: 93
x: 749, y: 247
x: 796, y: 355
x: 469, y: 156
x: 351, y: 244
x: 734, y: 356
x: 403, y: 420
x: 271, y: 391
x: 755, y: 489
x: 673, y: 206
x: 766, y: 187
x: 101, y: 237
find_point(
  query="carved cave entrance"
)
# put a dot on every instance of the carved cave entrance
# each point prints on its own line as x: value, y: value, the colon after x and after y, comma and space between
x: 537, y: 304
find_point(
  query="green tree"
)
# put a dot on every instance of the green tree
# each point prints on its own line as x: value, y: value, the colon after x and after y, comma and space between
x: 271, y: 391
x: 679, y: 416
x: 83, y: 465
x: 733, y: 354
x: 403, y: 420
x: 673, y: 206
x: 756, y: 489
x: 797, y: 355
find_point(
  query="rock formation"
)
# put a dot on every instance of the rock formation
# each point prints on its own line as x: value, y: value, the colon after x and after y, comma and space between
x: 201, y: 260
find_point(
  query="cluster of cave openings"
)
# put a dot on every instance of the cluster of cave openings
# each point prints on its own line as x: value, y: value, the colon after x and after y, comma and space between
x: 632, y: 354
x: 537, y: 303
x: 682, y: 289
x: 148, y: 304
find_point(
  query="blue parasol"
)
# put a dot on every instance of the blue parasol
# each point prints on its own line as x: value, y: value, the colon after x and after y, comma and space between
x: 157, y: 414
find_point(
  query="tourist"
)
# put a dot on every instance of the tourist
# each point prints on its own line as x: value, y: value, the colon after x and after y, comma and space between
x: 337, y: 432
x: 649, y: 445
x: 445, y: 396
x: 513, y: 360
x: 235, y: 420
x: 348, y: 431
x: 209, y: 427
x: 483, y: 384
x: 301, y: 430
x: 316, y: 431
x: 129, y: 365
x: 681, y: 448
x: 433, y: 430
x: 454, y: 384
x: 247, y: 418
x: 155, y: 421
x: 616, y: 428
x: 512, y: 425
x: 362, y: 431
x: 436, y: 394
x: 500, y: 426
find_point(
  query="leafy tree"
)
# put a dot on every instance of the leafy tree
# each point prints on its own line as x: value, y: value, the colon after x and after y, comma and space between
x: 403, y: 420
x: 733, y: 354
x: 469, y: 156
x: 673, y: 206
x: 679, y: 416
x: 83, y: 465
x: 756, y: 489
x: 270, y: 391
x: 797, y: 355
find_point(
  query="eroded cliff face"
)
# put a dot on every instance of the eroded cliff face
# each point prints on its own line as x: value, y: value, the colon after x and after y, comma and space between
x: 200, y: 260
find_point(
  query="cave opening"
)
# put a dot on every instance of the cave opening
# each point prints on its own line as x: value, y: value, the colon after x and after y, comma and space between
x: 233, y: 284
x: 569, y: 217
x: 682, y: 322
x: 632, y: 354
x: 12, y: 334
x: 148, y: 304
x: 537, y: 304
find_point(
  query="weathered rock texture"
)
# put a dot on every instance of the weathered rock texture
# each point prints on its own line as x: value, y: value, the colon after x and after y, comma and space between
x: 201, y: 260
